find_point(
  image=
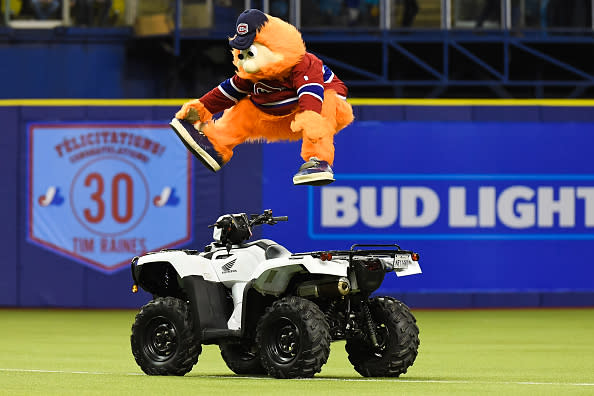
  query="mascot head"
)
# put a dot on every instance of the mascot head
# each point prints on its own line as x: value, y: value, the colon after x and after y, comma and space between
x: 265, y: 47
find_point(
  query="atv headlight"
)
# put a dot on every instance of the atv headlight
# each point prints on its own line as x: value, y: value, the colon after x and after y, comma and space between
x: 133, y: 269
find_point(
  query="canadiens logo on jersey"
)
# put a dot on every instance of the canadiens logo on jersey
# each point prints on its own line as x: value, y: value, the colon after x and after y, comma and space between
x: 261, y: 88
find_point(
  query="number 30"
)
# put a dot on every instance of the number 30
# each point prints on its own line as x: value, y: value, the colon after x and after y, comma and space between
x: 97, y: 196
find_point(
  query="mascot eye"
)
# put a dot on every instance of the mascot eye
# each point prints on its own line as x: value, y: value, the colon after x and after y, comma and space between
x: 240, y: 56
x: 252, y: 51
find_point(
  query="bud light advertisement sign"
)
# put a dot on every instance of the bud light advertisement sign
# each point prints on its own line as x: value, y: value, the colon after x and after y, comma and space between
x: 456, y: 206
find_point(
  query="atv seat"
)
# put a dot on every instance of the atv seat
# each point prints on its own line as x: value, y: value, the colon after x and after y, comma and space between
x: 271, y: 249
x: 276, y: 251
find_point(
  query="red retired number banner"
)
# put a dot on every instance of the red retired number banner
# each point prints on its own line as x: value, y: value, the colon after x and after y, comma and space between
x: 104, y: 193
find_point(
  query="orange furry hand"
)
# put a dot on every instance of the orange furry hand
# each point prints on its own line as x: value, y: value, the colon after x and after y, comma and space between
x: 312, y: 125
x: 194, y: 111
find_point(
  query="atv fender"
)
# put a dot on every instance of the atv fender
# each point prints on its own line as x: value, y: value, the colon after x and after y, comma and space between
x: 317, y: 266
x: 274, y: 278
x: 184, y: 264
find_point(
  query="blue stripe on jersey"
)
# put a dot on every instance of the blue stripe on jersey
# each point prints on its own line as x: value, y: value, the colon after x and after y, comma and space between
x: 231, y: 90
x: 314, y: 89
x: 328, y: 74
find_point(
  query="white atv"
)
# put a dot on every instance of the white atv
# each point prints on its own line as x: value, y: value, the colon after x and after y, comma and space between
x: 269, y: 310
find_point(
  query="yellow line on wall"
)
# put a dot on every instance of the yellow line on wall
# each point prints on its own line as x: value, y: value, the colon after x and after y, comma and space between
x: 473, y: 102
x: 92, y: 102
x: 354, y: 101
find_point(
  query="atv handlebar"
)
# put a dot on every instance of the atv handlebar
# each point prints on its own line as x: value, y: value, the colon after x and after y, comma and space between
x: 256, y: 219
x: 266, y: 218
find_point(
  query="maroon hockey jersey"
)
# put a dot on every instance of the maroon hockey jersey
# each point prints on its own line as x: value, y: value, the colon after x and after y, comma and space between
x: 304, y: 87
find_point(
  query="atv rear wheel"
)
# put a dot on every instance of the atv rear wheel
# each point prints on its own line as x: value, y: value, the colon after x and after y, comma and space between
x: 294, y: 338
x: 242, y: 358
x: 162, y: 339
x: 397, y: 336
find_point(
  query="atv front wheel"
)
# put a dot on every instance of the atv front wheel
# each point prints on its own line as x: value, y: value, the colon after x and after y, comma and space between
x: 162, y: 339
x: 242, y: 359
x: 397, y: 337
x: 294, y: 338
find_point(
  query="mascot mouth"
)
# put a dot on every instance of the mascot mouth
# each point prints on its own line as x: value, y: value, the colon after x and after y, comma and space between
x: 250, y: 67
x: 257, y: 61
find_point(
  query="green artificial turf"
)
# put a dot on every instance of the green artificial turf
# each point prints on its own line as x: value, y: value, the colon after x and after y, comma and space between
x: 473, y: 352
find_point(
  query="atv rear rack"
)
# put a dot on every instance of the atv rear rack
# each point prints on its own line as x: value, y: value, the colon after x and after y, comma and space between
x: 390, y: 250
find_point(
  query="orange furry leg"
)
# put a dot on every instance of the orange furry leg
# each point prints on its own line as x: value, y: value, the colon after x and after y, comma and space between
x: 337, y: 109
x: 322, y: 149
x: 235, y: 127
x: 337, y: 114
x: 245, y: 122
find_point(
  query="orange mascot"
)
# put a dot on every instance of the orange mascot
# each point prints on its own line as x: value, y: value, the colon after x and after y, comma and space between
x: 280, y: 92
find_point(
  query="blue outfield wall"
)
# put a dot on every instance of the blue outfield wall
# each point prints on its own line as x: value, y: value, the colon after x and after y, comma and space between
x: 496, y: 196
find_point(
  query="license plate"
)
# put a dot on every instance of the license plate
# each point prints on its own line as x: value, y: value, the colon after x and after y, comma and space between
x: 401, y: 261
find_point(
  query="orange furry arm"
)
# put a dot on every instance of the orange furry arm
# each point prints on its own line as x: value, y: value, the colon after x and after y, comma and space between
x: 312, y: 125
x: 203, y: 114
